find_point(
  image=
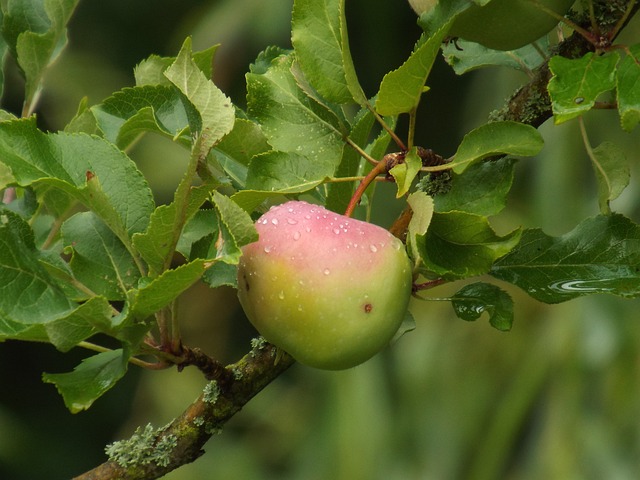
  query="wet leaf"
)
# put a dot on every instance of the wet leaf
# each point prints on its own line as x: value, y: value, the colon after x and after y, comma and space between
x: 473, y: 300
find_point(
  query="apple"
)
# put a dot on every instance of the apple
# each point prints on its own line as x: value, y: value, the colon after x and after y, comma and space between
x: 502, y: 24
x: 329, y: 290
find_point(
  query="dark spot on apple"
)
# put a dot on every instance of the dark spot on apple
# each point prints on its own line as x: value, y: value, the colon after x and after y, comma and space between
x: 367, y: 308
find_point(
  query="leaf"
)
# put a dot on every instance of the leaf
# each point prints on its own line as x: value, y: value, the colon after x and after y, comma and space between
x: 292, y: 121
x: 236, y: 228
x: 320, y: 39
x: 151, y: 70
x: 628, y: 92
x: 215, y: 111
x: 106, y: 181
x: 401, y: 89
x: 36, y: 33
x: 577, y: 83
x: 202, y: 225
x: 284, y: 172
x: 473, y: 300
x: 464, y: 56
x: 482, y: 188
x: 89, y: 380
x: 612, y: 171
x: 460, y: 245
x: 422, y: 212
x: 99, y: 259
x: 405, y: 173
x: 600, y: 255
x: 511, y: 138
x: 127, y: 114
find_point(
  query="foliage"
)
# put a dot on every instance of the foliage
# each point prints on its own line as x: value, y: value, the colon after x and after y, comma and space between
x: 88, y: 254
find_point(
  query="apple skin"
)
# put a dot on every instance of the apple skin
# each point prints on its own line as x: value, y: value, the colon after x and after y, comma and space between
x: 329, y: 290
x: 502, y: 24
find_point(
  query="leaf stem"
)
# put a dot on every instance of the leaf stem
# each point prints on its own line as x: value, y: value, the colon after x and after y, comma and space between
x: 386, y: 127
x: 380, y: 167
x: 100, y: 349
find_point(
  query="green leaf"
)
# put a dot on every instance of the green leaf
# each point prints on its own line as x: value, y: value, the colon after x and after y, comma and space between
x: 401, y: 89
x: 612, y: 171
x: 627, y: 89
x: 221, y: 274
x: 405, y: 173
x: 292, y: 121
x: 473, y: 300
x: 236, y: 228
x: 36, y: 33
x: 284, y: 172
x: 106, y: 181
x: 99, y: 259
x: 215, y: 111
x: 464, y: 56
x: 151, y: 70
x: 422, y: 212
x: 600, y: 255
x: 89, y: 380
x: 577, y: 83
x: 204, y: 224
x: 511, y: 138
x: 460, y: 245
x: 127, y: 114
x: 320, y: 39
x: 482, y: 188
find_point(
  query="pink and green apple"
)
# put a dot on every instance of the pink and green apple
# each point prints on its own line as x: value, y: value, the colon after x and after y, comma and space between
x: 329, y: 290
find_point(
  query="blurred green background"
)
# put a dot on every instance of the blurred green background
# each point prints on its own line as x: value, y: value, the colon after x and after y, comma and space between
x: 556, y: 398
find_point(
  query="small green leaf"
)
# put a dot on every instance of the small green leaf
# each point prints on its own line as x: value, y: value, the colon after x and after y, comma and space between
x: 422, y: 211
x: 577, y: 83
x: 612, y: 171
x: 235, y: 224
x: 482, y: 188
x: 460, y: 245
x: 151, y: 70
x: 215, y: 111
x: 627, y: 89
x: 405, y: 173
x: 600, y: 255
x: 402, y: 89
x: 319, y: 37
x: 511, y: 138
x: 473, y: 300
x: 89, y: 380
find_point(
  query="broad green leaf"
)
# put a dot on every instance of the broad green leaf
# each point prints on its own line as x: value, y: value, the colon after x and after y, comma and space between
x: 99, y: 259
x: 106, y: 181
x: 627, y: 89
x: 401, y: 89
x: 511, y: 138
x: 577, y: 83
x: 36, y: 33
x: 443, y: 12
x: 422, y: 211
x: 319, y: 37
x: 89, y: 380
x: 28, y: 294
x: 151, y: 70
x: 215, y: 111
x: 405, y: 173
x: 127, y: 114
x: 473, y: 300
x: 482, y: 188
x: 612, y: 172
x: 203, y: 224
x: 292, y: 121
x: 157, y: 242
x: 600, y: 255
x: 464, y: 56
x: 460, y: 245
x: 235, y: 222
x: 221, y: 274
x: 284, y: 172
x: 164, y: 289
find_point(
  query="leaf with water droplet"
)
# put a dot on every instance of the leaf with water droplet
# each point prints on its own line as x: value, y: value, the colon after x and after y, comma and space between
x: 600, y: 255
x: 473, y: 300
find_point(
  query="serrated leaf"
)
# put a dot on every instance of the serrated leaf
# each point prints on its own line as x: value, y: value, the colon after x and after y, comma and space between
x: 612, y: 171
x: 127, y: 114
x: 292, y: 121
x: 422, y: 211
x: 89, y: 380
x: 482, y: 188
x: 215, y: 111
x: 628, y: 94
x: 577, y: 83
x: 405, y: 173
x: 99, y: 259
x: 473, y: 300
x: 460, y: 245
x: 151, y: 70
x: 203, y: 224
x: 235, y: 223
x: 221, y: 274
x: 106, y: 181
x: 284, y: 172
x: 600, y: 255
x: 402, y: 89
x: 319, y: 36
x: 511, y: 138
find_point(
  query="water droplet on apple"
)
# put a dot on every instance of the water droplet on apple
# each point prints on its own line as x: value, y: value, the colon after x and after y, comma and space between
x: 296, y: 235
x: 267, y: 249
x: 291, y: 221
x: 373, y: 248
x: 326, y: 271
x: 274, y: 221
x: 281, y: 295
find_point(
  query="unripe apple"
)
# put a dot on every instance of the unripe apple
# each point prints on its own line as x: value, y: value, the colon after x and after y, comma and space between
x: 502, y: 24
x: 329, y: 290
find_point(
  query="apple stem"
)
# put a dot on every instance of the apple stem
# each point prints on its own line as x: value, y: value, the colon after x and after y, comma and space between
x: 416, y: 287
